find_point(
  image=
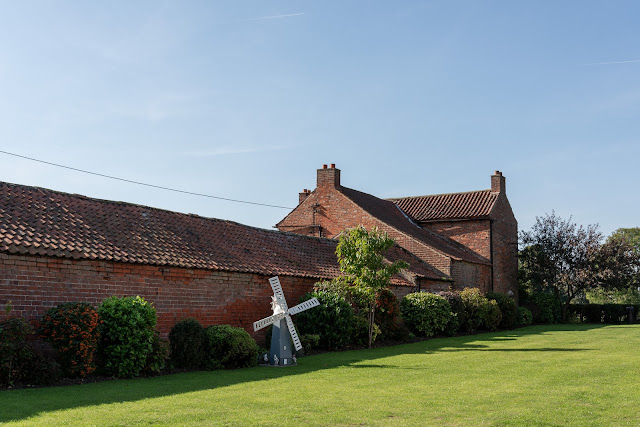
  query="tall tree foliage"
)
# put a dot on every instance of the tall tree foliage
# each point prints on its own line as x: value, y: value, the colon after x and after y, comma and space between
x: 360, y: 254
x: 568, y: 259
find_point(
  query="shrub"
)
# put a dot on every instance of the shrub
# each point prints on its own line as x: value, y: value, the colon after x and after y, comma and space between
x: 361, y: 331
x: 126, y: 333
x: 230, y: 348
x: 72, y: 330
x: 309, y: 341
x: 425, y: 314
x: 476, y: 307
x: 457, y: 311
x: 387, y: 307
x: 19, y: 362
x: 491, y: 315
x: 188, y: 344
x: 387, y: 313
x: 545, y: 307
x: 614, y: 313
x: 508, y: 308
x: 524, y: 317
x: 157, y: 358
x: 332, y: 320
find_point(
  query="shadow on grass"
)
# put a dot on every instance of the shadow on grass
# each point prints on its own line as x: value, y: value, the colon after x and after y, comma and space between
x: 25, y: 403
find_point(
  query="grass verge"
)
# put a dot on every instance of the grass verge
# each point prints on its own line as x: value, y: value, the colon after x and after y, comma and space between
x: 543, y: 375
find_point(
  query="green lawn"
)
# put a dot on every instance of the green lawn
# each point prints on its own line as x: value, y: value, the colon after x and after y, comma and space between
x: 548, y: 375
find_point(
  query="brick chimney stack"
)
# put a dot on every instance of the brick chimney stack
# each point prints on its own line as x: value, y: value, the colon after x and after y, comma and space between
x: 302, y: 196
x: 498, y: 184
x: 329, y: 177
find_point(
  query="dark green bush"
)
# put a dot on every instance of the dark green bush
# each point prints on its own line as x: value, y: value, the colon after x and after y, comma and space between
x: 593, y: 313
x: 19, y: 361
x: 361, y: 331
x: 230, y: 348
x: 157, y: 359
x: 476, y: 309
x: 546, y: 308
x: 126, y: 335
x: 524, y: 317
x: 508, y: 308
x: 425, y: 314
x: 310, y: 342
x: 72, y: 330
x: 614, y: 313
x: 492, y: 316
x: 188, y: 344
x: 332, y: 320
x: 457, y: 311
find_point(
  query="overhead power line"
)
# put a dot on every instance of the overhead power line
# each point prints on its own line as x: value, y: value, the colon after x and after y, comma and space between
x: 145, y: 184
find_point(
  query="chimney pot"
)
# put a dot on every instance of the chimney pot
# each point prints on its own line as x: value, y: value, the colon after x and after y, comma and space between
x: 329, y: 177
x: 333, y: 166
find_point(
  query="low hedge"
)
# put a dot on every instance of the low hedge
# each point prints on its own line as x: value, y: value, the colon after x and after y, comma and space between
x: 601, y: 313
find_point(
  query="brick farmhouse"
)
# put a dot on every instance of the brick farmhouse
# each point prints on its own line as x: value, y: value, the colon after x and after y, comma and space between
x: 469, y: 238
x: 57, y: 247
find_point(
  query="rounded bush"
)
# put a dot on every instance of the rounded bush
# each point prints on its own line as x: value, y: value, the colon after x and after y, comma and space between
x: 476, y: 309
x: 508, y: 308
x: 72, y: 330
x: 332, y: 320
x: 425, y: 314
x: 524, y: 317
x: 126, y: 335
x: 491, y: 316
x: 230, y: 348
x: 457, y: 311
x: 188, y: 343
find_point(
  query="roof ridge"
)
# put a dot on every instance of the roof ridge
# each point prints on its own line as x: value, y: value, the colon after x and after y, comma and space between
x: 436, y: 195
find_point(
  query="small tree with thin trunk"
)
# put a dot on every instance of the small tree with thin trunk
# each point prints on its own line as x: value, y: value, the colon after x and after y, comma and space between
x: 360, y: 254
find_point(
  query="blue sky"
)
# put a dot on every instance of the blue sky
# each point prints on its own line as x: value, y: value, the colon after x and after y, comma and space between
x: 246, y: 99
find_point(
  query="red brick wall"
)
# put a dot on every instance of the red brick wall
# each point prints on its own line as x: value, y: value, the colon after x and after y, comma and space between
x: 34, y: 284
x: 475, y: 235
x: 505, y: 248
x: 468, y: 275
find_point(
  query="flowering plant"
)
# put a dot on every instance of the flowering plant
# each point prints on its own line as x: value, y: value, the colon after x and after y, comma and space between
x: 72, y: 329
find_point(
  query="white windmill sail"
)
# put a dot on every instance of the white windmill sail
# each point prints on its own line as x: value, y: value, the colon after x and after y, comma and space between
x: 281, y: 310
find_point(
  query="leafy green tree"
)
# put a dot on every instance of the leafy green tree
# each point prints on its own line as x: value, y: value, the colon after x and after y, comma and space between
x: 360, y: 254
x: 559, y: 256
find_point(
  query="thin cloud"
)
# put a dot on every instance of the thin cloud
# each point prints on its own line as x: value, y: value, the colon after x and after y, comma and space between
x: 614, y: 62
x: 271, y: 17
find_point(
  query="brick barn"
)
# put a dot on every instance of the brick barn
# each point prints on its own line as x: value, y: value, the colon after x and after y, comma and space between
x: 469, y: 238
x: 57, y: 247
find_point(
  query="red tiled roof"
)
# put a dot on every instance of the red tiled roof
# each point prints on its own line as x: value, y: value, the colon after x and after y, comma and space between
x: 470, y: 205
x: 387, y: 212
x: 37, y: 221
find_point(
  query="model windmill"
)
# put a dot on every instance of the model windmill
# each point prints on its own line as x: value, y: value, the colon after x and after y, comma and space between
x: 280, y: 353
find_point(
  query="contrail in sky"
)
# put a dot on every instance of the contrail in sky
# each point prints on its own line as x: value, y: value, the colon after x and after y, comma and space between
x: 614, y: 62
x: 272, y: 17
